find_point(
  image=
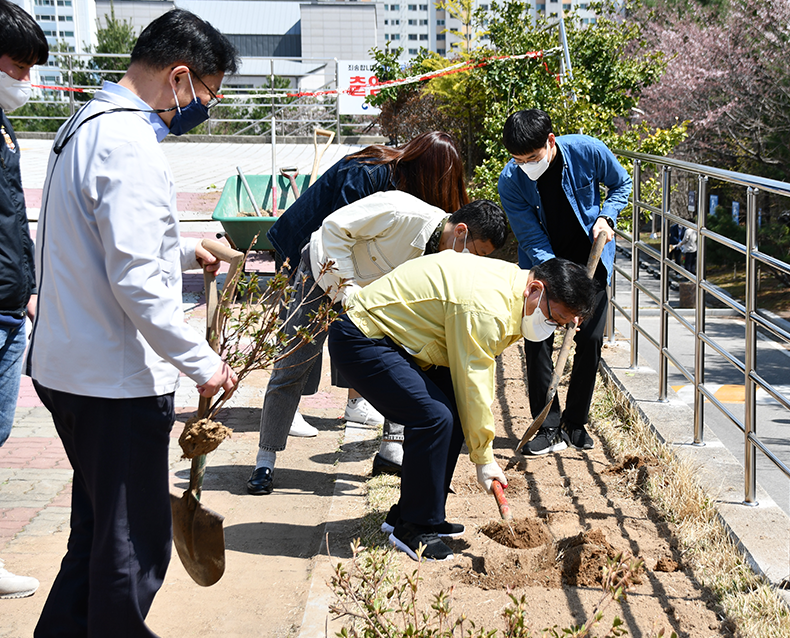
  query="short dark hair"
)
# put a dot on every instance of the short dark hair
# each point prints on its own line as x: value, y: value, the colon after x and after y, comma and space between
x: 526, y: 131
x: 486, y: 221
x: 181, y: 36
x: 21, y: 39
x: 567, y: 283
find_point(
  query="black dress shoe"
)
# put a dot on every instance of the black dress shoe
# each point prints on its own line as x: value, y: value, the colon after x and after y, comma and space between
x: 383, y: 466
x: 260, y: 482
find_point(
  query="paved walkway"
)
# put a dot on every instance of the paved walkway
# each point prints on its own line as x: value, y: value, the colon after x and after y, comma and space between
x: 35, y: 475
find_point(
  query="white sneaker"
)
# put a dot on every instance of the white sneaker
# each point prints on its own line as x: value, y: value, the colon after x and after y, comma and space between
x: 300, y: 427
x: 360, y: 411
x: 12, y: 586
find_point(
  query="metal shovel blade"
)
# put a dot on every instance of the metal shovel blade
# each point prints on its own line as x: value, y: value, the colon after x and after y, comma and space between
x: 199, y: 539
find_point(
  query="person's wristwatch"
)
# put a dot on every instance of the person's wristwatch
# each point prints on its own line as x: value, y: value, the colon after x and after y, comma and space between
x: 609, y: 220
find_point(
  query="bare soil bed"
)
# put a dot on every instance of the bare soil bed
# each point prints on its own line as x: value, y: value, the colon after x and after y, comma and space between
x: 572, y: 511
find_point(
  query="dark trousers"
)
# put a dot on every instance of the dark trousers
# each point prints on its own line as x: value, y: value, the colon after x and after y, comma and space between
x: 121, y: 528
x: 589, y: 340
x: 422, y: 401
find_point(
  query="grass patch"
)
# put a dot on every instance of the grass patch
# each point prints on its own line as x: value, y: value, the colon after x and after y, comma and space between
x: 748, y: 600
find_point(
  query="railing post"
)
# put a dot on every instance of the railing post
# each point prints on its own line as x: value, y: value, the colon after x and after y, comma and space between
x: 663, y: 326
x: 337, y: 100
x: 750, y: 359
x: 635, y: 228
x: 72, y: 110
x: 699, y: 314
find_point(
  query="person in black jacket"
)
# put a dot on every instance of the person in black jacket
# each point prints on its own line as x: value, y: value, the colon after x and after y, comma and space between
x: 22, y: 44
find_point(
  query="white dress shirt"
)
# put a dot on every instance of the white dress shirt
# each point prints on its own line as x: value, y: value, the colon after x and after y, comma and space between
x: 109, y: 257
x: 370, y: 237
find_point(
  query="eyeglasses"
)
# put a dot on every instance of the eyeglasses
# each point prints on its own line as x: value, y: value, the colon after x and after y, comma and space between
x: 551, y: 320
x: 214, y: 99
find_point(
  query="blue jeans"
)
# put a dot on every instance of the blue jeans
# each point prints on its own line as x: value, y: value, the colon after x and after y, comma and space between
x: 291, y: 374
x: 12, y: 350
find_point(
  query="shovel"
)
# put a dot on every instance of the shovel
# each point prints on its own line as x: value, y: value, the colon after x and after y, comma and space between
x: 197, y: 530
x: 291, y: 174
x: 319, y: 155
x: 562, y: 358
x: 501, y: 501
x: 247, y: 188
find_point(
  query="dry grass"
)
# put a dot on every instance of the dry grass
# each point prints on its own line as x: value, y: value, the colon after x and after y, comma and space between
x: 382, y: 492
x: 747, y: 599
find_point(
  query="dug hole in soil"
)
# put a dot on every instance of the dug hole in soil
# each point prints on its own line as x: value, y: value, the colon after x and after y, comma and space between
x: 572, y: 512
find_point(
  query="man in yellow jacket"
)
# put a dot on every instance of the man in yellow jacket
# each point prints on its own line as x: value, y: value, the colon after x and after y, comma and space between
x: 420, y: 344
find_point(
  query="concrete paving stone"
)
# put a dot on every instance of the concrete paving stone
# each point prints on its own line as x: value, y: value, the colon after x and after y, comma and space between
x: 17, y: 513
x: 37, y: 474
x: 48, y: 521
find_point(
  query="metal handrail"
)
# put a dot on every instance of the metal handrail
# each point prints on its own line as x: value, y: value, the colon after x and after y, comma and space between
x: 748, y: 311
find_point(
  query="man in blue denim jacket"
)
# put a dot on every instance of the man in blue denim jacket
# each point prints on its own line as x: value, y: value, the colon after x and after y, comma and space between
x: 551, y: 192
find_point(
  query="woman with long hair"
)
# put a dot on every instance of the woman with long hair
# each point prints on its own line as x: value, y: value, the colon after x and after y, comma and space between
x: 428, y: 167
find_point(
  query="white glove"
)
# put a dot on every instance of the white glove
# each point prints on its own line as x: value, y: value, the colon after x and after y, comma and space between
x: 487, y: 472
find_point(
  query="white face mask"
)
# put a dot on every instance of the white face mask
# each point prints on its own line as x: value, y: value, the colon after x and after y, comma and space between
x: 13, y: 93
x: 534, y: 326
x: 535, y: 169
x: 465, y: 250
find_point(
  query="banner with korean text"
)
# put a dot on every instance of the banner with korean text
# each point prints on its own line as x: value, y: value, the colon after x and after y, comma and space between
x: 358, y: 76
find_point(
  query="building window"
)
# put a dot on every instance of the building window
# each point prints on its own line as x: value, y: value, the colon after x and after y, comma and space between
x: 484, y: 7
x: 412, y: 36
x: 44, y: 3
x: 412, y: 23
x: 395, y: 21
x: 441, y: 51
x: 423, y: 7
x: 423, y: 36
x: 553, y: 14
x: 52, y: 34
x: 441, y: 36
x: 394, y: 7
x: 440, y: 23
x: 65, y: 18
x: 583, y: 6
x: 395, y: 36
x: 423, y: 23
x: 566, y: 6
x: 43, y: 17
x: 66, y: 34
x: 412, y: 7
x: 64, y: 3
x: 412, y: 51
x: 541, y: 7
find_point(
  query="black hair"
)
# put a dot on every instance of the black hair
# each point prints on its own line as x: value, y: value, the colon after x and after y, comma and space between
x: 21, y: 39
x: 181, y: 36
x: 486, y: 221
x: 526, y: 131
x: 567, y: 283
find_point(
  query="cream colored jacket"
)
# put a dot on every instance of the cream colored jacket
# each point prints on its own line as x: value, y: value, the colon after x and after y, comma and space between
x: 370, y: 237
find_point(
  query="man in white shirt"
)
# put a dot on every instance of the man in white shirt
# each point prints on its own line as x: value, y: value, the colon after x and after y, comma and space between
x: 109, y: 339
x: 363, y: 241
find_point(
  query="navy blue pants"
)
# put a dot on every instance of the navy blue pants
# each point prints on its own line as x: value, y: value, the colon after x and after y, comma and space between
x: 422, y: 401
x: 586, y: 358
x: 121, y: 527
